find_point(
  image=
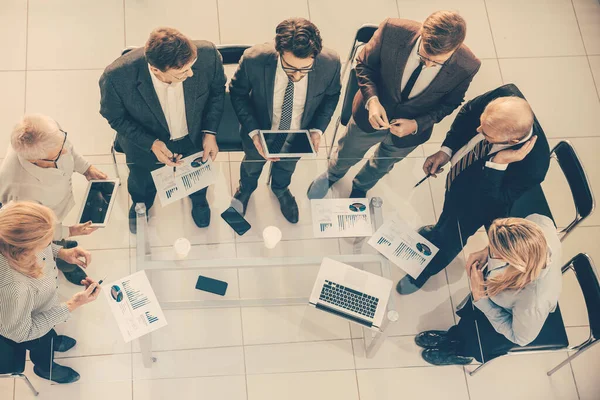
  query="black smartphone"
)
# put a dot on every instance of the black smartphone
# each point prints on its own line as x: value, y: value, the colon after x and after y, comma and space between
x: 211, y: 285
x: 236, y: 221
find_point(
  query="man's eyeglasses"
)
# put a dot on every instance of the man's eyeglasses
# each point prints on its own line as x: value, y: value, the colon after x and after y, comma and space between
x: 423, y: 59
x: 183, y: 74
x: 288, y: 68
x: 55, y: 161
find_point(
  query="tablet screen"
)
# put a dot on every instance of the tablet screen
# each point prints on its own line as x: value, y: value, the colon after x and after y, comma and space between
x: 96, y: 204
x: 291, y: 142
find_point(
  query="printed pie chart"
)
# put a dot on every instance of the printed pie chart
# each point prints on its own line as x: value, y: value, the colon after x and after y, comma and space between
x: 357, y: 207
x: 116, y: 293
x: 423, y: 248
x: 198, y: 162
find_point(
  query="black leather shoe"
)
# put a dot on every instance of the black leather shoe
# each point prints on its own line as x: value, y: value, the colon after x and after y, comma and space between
x: 240, y: 201
x: 75, y: 276
x: 444, y: 357
x: 64, y: 343
x: 434, y: 339
x: 201, y: 214
x: 357, y: 193
x: 58, y: 374
x: 319, y: 187
x: 288, y: 206
x: 408, y: 285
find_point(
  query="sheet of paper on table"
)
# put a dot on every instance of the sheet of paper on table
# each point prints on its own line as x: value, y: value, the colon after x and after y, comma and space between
x: 134, y: 305
x: 403, y: 246
x: 191, y: 176
x: 341, y: 218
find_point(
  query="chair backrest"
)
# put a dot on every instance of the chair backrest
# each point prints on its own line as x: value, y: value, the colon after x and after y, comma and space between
x: 351, y: 89
x: 578, y: 183
x: 12, y: 357
x: 128, y: 49
x: 228, y: 134
x: 584, y: 269
x: 362, y: 36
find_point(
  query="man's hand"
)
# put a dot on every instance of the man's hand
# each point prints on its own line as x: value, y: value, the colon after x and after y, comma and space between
x: 259, y: 148
x: 403, y: 127
x: 316, y: 140
x: 82, y: 229
x: 94, y: 173
x: 510, y: 156
x: 88, y: 295
x: 377, y: 115
x: 76, y: 255
x: 434, y: 163
x: 209, y: 144
x: 163, y: 154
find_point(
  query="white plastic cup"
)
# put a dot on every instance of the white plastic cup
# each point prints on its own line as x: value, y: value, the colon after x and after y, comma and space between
x: 182, y: 248
x: 271, y: 236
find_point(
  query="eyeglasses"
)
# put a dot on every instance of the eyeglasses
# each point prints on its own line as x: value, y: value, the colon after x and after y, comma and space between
x: 55, y: 161
x: 423, y: 59
x: 182, y: 74
x: 288, y: 68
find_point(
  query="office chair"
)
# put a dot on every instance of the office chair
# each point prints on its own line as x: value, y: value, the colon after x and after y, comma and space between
x: 553, y: 336
x: 12, y: 362
x: 362, y: 36
x: 534, y: 201
x: 228, y: 138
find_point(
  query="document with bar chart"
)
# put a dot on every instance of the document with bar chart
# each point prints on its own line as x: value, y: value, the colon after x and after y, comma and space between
x: 188, y: 178
x: 134, y: 305
x: 341, y: 218
x: 403, y: 246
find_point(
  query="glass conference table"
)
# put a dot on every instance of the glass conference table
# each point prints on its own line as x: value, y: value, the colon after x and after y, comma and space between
x: 266, y: 303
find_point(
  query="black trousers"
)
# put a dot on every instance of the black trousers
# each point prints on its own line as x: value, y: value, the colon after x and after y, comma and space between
x: 140, y: 184
x: 457, y: 223
x: 253, y: 164
x: 477, y: 337
x: 40, y: 350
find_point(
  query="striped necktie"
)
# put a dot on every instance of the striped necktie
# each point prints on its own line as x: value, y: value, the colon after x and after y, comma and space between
x: 287, y: 108
x: 481, y: 149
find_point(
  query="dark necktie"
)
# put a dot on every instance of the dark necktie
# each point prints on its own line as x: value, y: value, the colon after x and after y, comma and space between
x: 287, y: 108
x: 480, y: 150
x: 411, y: 82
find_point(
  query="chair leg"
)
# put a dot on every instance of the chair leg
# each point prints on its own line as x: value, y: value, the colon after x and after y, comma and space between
x: 571, y: 358
x: 26, y: 379
x: 471, y: 373
x: 330, y: 149
x: 114, y: 157
x: 270, y: 173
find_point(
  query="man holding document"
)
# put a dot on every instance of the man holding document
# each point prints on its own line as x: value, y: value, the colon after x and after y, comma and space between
x: 165, y: 101
x: 291, y: 84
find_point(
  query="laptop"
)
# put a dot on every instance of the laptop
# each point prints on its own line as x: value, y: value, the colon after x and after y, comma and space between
x: 356, y: 295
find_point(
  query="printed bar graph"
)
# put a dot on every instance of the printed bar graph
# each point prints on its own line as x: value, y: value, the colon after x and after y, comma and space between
x: 151, y: 318
x: 384, y: 241
x: 136, y: 298
x: 194, y: 177
x: 405, y: 252
x: 325, y: 226
x: 170, y: 192
x: 346, y: 222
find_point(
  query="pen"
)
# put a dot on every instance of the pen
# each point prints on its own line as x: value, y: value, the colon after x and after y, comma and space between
x: 99, y: 283
x: 174, y: 167
x: 422, y: 180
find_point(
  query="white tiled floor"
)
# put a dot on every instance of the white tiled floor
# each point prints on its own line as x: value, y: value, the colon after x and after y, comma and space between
x: 51, y: 64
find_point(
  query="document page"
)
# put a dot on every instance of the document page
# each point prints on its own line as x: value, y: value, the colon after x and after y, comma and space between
x: 341, y: 218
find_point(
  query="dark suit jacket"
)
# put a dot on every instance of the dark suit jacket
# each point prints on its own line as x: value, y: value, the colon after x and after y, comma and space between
x: 131, y: 106
x: 479, y: 186
x: 379, y: 69
x: 251, y: 89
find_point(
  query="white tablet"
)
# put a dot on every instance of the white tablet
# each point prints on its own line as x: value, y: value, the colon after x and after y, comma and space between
x: 99, y: 199
x: 287, y: 144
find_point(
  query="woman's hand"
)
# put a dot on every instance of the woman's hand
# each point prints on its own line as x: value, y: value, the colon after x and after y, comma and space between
x: 76, y: 255
x: 88, y: 295
x: 477, y: 260
x: 477, y: 284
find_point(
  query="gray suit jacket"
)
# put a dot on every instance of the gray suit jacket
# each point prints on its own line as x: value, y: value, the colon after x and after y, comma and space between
x: 251, y: 89
x: 131, y: 106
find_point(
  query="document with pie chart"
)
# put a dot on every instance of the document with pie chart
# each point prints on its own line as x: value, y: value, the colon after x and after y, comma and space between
x: 341, y: 218
x: 403, y: 246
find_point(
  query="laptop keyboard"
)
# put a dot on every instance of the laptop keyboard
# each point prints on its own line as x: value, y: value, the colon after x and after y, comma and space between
x: 350, y: 299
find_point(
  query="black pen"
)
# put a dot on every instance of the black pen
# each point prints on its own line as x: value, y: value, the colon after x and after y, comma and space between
x: 99, y: 283
x: 422, y: 180
x: 174, y: 167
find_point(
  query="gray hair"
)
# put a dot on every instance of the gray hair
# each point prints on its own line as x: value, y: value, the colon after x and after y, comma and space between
x: 35, y: 135
x: 510, y: 115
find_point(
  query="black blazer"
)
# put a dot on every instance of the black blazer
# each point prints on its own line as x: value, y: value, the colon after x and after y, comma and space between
x: 251, y: 89
x: 487, y: 187
x: 379, y: 69
x: 130, y: 104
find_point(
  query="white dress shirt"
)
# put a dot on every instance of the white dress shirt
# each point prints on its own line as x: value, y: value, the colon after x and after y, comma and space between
x: 172, y: 102
x: 30, y: 307
x: 473, y: 142
x: 425, y: 78
x: 300, y: 90
x: 51, y: 187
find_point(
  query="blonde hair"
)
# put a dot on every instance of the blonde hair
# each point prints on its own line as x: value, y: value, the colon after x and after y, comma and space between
x: 522, y: 244
x: 25, y: 227
x: 510, y: 115
x: 35, y: 135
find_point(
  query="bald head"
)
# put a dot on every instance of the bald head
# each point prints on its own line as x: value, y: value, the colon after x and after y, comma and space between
x: 506, y: 120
